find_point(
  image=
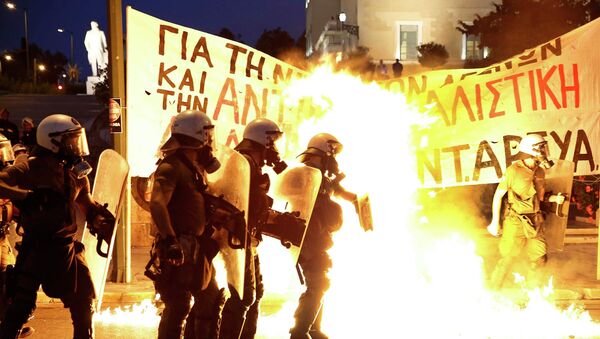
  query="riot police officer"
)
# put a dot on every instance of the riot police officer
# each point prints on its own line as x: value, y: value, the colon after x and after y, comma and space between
x: 240, y: 316
x: 47, y: 188
x: 182, y: 258
x: 326, y: 219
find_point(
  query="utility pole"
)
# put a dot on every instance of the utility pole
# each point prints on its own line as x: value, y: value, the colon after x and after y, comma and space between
x: 116, y: 76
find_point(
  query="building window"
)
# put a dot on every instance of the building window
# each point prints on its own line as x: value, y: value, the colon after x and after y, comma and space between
x: 470, y: 48
x: 409, y: 40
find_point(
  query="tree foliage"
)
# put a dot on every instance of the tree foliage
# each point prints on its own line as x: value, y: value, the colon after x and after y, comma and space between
x: 432, y: 54
x: 516, y: 25
x: 275, y: 42
x: 17, y: 68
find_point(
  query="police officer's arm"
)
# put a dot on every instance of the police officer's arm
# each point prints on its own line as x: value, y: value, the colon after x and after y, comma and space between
x: 84, y: 199
x: 494, y: 226
x: 9, y: 179
x: 165, y: 179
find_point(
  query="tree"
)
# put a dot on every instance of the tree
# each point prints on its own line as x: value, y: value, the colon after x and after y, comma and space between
x: 432, y: 54
x: 516, y: 25
x: 228, y: 34
x: 274, y: 42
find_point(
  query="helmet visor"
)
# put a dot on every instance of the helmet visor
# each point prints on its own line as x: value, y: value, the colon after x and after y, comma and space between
x: 209, y: 136
x: 6, y: 152
x: 542, y: 149
x: 335, y: 147
x: 272, y: 139
x: 74, y: 143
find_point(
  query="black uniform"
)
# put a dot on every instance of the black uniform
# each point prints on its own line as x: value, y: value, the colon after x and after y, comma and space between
x: 49, y: 255
x: 241, y: 315
x: 315, y: 262
x: 185, y: 185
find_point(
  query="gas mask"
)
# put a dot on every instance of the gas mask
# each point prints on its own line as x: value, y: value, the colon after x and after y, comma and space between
x: 272, y: 159
x: 207, y: 159
x: 79, y: 167
x: 542, y: 156
x: 331, y: 166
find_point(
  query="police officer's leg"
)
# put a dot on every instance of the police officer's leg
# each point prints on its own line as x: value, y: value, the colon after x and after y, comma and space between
x: 81, y: 302
x: 204, y: 320
x: 177, y: 306
x: 315, y: 330
x: 251, y: 323
x: 317, y: 283
x: 234, y: 312
x: 22, y: 289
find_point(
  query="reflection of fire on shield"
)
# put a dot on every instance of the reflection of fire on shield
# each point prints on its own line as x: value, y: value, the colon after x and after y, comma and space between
x: 231, y: 183
x: 296, y: 190
x: 559, y: 179
x: 364, y: 213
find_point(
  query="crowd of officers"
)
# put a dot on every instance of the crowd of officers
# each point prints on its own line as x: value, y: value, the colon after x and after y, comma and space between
x: 44, y: 188
x: 48, y: 185
x: 184, y: 249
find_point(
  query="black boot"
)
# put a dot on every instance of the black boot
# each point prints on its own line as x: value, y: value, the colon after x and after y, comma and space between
x: 234, y: 316
x: 81, y: 315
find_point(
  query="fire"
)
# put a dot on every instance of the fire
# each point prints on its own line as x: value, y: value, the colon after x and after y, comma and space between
x: 408, y: 277
x: 413, y: 276
x: 144, y: 314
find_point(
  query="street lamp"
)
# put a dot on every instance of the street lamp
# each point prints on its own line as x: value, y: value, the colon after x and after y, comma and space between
x: 6, y: 57
x: 62, y: 30
x: 12, y: 6
x: 342, y: 18
x: 37, y: 67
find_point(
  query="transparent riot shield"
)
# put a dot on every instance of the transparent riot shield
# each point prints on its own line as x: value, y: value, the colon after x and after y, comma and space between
x: 295, y: 191
x: 232, y: 183
x: 559, y: 179
x: 109, y: 189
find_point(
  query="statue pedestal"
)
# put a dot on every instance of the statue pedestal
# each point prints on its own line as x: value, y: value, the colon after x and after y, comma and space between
x: 90, y: 83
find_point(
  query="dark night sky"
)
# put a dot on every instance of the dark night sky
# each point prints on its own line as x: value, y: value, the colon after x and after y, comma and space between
x: 246, y: 17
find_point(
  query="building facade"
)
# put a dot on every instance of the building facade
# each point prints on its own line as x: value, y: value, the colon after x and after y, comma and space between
x: 392, y: 29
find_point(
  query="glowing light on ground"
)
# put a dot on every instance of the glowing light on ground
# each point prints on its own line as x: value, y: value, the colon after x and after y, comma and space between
x: 143, y: 314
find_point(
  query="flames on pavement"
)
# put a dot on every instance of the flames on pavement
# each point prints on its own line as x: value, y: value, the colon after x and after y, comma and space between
x: 408, y: 277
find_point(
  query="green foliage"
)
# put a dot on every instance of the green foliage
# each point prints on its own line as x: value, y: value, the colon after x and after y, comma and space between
x: 432, y: 54
x: 585, y: 196
x: 516, y: 25
x: 102, y: 88
x: 275, y: 42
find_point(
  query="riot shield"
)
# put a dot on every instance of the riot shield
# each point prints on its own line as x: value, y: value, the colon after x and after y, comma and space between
x: 109, y: 189
x: 295, y: 190
x: 232, y: 183
x: 559, y: 179
x: 365, y: 216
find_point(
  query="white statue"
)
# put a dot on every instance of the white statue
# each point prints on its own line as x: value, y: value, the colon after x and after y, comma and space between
x: 95, y: 44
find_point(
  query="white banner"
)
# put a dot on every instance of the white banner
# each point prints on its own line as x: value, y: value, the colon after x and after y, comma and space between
x: 171, y: 68
x: 553, y: 89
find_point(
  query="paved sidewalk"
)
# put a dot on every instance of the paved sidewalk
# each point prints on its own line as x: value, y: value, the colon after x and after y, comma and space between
x: 573, y: 271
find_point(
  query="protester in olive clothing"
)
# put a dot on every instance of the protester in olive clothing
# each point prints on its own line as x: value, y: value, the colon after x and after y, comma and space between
x: 177, y: 206
x: 523, y: 234
x: 326, y: 219
x: 47, y: 189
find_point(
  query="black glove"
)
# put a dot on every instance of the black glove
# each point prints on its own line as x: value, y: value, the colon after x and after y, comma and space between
x: 172, y: 249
